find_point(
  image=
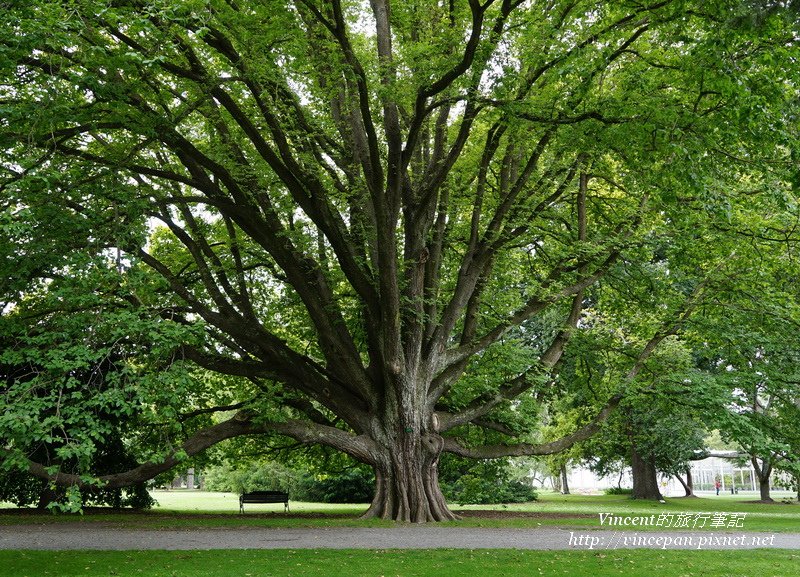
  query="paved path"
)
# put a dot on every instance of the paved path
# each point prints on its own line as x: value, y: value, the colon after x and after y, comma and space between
x: 98, y: 537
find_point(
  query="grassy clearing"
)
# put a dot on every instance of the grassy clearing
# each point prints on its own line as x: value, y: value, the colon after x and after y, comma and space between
x: 586, y: 509
x: 201, y: 509
x: 442, y: 563
x: 207, y: 502
x: 181, y: 508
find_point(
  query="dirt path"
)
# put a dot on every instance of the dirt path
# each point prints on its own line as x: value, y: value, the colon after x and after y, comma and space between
x: 94, y: 536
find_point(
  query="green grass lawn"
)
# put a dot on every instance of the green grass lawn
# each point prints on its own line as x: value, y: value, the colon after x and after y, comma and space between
x: 439, y: 562
x: 760, y: 517
x: 180, y: 508
x: 207, y: 502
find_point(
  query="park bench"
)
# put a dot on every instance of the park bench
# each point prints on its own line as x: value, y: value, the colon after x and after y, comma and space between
x: 264, y: 497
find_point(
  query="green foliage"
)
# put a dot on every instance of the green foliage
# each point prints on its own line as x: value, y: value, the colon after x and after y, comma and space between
x: 253, y: 476
x: 24, y: 490
x: 618, y: 491
x: 260, y: 193
x: 356, y: 485
x: 466, y: 481
x: 481, y: 491
x: 351, y: 485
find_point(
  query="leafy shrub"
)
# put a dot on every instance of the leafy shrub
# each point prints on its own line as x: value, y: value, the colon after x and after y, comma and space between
x: 24, y: 490
x: 519, y: 492
x: 482, y: 491
x: 618, y: 491
x: 466, y: 481
x: 253, y: 476
x: 355, y: 485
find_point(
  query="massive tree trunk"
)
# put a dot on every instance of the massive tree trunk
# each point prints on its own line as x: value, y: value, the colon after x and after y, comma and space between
x: 645, y: 478
x: 406, y: 464
x: 407, y: 484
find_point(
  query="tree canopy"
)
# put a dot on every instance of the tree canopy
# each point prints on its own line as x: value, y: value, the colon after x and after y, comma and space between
x: 374, y: 226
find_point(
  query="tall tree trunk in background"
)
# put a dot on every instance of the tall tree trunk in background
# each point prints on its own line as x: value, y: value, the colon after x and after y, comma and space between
x: 763, y: 473
x: 645, y: 478
x: 688, y: 485
x: 564, y: 480
x: 763, y: 487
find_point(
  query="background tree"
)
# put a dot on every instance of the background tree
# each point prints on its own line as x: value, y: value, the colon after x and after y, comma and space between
x: 357, y: 206
x: 757, y: 363
x: 660, y: 424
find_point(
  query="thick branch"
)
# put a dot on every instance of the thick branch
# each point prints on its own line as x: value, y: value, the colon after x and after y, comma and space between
x: 200, y: 441
x: 525, y: 449
x: 241, y: 424
x: 533, y: 306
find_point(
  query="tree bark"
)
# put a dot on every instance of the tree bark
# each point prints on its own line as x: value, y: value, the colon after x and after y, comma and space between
x: 688, y: 485
x: 645, y: 479
x: 407, y: 480
x: 48, y: 495
x: 763, y: 473
x: 763, y: 486
x: 564, y: 480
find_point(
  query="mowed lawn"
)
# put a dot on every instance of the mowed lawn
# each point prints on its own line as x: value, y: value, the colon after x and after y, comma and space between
x: 181, y: 508
x: 397, y: 563
x: 584, y: 511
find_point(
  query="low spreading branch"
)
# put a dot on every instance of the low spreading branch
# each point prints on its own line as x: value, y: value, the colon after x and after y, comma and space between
x: 240, y: 424
x: 452, y: 445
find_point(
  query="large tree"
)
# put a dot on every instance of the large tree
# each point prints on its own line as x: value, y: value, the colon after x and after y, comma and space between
x: 352, y: 209
x: 755, y: 358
